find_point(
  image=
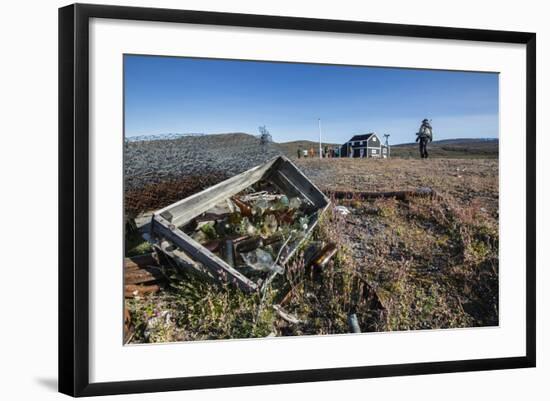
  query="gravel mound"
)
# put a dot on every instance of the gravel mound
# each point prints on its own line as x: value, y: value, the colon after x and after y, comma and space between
x: 152, y: 162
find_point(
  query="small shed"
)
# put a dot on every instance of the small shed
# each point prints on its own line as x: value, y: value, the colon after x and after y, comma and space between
x: 364, y: 146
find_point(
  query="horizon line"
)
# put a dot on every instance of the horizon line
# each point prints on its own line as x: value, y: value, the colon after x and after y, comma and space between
x: 177, y: 135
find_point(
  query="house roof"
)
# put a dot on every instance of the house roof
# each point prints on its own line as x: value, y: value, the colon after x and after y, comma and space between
x: 362, y: 137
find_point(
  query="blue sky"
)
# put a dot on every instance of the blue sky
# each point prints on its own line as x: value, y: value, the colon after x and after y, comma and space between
x: 181, y: 95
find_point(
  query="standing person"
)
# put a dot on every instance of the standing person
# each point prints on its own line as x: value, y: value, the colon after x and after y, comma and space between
x: 299, y: 153
x: 311, y: 152
x: 423, y: 137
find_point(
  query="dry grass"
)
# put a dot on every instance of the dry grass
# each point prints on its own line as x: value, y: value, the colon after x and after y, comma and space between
x: 464, y: 179
x: 423, y: 263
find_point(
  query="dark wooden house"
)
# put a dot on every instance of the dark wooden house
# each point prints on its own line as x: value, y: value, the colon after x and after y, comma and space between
x: 364, y: 145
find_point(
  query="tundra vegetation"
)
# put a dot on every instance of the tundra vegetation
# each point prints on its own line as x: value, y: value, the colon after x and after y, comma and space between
x: 402, y: 264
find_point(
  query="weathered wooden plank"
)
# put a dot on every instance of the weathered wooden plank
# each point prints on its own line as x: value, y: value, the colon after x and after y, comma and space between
x: 285, y: 168
x: 130, y: 266
x: 285, y: 186
x: 138, y: 276
x: 184, y: 210
x: 137, y: 262
x: 142, y: 221
x: 196, y: 251
x: 182, y: 260
x: 132, y: 290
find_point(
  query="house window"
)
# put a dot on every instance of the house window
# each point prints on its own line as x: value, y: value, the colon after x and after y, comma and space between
x: 374, y: 151
x: 384, y: 150
x: 374, y: 139
x: 363, y: 143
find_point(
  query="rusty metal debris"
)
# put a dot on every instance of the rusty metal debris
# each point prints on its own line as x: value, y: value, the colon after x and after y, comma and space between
x: 142, y: 276
x: 423, y: 192
x: 323, y: 256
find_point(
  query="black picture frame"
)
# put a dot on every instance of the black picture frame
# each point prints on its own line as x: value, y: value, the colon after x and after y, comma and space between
x: 74, y: 200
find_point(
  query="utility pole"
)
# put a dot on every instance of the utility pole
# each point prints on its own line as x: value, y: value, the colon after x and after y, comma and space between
x: 387, y: 144
x: 320, y: 146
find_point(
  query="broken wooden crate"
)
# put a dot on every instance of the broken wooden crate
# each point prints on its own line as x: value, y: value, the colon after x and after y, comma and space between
x: 169, y: 238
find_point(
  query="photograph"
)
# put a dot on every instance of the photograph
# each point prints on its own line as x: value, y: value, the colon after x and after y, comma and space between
x: 277, y: 199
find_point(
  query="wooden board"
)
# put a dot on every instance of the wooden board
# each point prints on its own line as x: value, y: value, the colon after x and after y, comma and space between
x: 141, y: 275
x: 183, y: 211
x: 216, y: 266
x: 290, y: 179
x: 138, y: 262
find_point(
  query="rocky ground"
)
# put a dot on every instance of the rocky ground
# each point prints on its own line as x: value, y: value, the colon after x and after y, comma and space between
x: 151, y: 162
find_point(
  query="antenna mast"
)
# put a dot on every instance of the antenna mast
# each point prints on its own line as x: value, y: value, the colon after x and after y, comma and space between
x: 387, y: 144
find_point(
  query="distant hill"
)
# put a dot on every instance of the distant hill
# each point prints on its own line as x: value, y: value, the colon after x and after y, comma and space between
x: 486, y: 148
x: 164, y: 157
x: 238, y: 145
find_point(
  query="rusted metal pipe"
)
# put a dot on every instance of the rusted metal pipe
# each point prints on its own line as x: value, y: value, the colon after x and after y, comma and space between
x: 324, y: 255
x: 400, y: 195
